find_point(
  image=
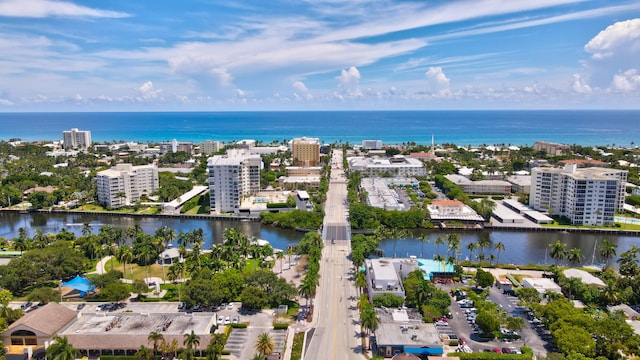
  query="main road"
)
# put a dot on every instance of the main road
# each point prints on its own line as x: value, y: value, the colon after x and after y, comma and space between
x: 336, y: 319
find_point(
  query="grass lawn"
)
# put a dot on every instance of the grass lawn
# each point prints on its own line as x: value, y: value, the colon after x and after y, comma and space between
x: 139, y: 272
x: 89, y: 207
x: 296, y: 349
x: 198, y: 210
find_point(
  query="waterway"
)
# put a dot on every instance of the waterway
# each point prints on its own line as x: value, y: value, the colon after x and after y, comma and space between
x: 520, y: 247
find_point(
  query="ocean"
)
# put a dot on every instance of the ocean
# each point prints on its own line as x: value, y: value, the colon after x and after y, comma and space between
x: 587, y: 128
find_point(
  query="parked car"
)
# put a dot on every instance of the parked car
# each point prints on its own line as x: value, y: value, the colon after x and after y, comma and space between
x: 80, y: 306
x: 227, y: 321
x: 181, y: 305
x: 506, y: 350
x: 220, y: 319
x: 26, y: 305
x: 236, y: 320
x: 230, y: 306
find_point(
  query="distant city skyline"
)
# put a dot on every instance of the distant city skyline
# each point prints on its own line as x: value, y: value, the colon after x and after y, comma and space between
x: 322, y: 54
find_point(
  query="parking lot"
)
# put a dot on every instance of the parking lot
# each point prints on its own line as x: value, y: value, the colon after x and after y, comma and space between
x: 463, y: 329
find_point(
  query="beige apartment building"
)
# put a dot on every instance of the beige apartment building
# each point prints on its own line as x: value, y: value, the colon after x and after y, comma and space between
x: 305, y: 151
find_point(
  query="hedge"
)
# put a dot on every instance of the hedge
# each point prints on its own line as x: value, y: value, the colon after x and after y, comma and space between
x: 280, y: 326
x: 277, y: 205
x: 239, y: 326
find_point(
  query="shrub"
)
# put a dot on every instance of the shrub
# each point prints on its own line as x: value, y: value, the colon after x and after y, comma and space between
x: 280, y: 326
x: 238, y: 326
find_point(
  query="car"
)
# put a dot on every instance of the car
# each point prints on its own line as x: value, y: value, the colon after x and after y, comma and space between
x: 497, y: 351
x: 227, y: 321
x: 26, y: 305
x: 515, y: 350
x: 181, y: 305
x: 80, y: 306
x: 220, y: 319
x: 197, y: 308
x: 333, y: 241
x: 449, y: 315
x: 213, y: 329
x: 230, y: 306
x: 506, y: 350
x: 441, y: 323
x: 236, y: 320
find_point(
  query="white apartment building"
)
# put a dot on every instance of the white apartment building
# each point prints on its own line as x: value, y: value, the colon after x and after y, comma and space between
x: 232, y: 177
x: 398, y: 165
x: 372, y: 144
x: 587, y: 196
x: 124, y: 184
x: 210, y: 147
x: 76, y: 139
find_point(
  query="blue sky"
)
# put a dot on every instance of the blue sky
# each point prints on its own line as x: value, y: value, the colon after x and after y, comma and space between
x: 122, y: 55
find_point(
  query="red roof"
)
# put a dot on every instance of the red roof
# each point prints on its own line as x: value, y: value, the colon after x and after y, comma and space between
x: 447, y: 203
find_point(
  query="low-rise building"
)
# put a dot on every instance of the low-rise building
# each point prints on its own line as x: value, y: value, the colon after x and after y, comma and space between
x: 550, y: 148
x: 403, y: 331
x: 542, y: 285
x: 175, y: 146
x: 372, y: 144
x: 497, y: 187
x: 452, y: 210
x: 398, y: 165
x: 520, y: 183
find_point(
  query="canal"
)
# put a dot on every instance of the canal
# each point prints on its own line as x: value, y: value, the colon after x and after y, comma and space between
x: 521, y: 247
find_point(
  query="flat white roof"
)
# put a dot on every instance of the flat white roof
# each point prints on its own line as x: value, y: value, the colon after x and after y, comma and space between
x: 584, y: 276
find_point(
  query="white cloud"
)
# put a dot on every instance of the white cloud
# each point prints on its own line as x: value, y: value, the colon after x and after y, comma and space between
x: 579, y: 85
x: 616, y: 37
x: 148, y: 92
x: 437, y: 81
x: 50, y: 8
x: 614, y: 49
x: 349, y: 81
x: 6, y: 102
x: 299, y: 85
x: 627, y: 81
x: 302, y: 88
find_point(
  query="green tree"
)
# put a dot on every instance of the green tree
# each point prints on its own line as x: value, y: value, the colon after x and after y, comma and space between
x: 265, y: 345
x: 155, y: 338
x: 487, y: 322
x: 484, y: 278
x: 499, y: 246
x: 558, y: 251
x: 191, y: 340
x: 574, y: 339
x: 115, y: 291
x: 574, y: 256
x: 628, y: 262
x: 144, y: 353
x: 253, y: 298
x: 607, y: 250
x: 60, y: 349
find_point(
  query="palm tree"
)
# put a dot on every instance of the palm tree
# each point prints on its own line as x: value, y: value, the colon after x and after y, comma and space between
x: 155, y: 337
x: 439, y: 241
x: 191, y: 340
x: 280, y: 256
x: 607, y: 250
x: 289, y: 253
x: 264, y: 344
x: 369, y: 321
x: 423, y: 239
x: 360, y: 281
x: 125, y: 256
x: 144, y: 353
x: 574, y: 256
x: 471, y: 246
x: 61, y: 349
x: 215, y: 347
x: 499, y: 246
x: 86, y: 229
x: 558, y: 251
x: 484, y: 241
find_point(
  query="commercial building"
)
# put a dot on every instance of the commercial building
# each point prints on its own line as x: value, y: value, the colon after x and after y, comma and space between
x: 587, y: 196
x: 403, y: 331
x: 550, y: 148
x: 397, y: 166
x: 380, y: 194
x: 75, y: 139
x: 245, y: 144
x: 124, y: 184
x: 372, y: 144
x: 209, y: 147
x: 305, y: 151
x: 500, y: 187
x: 231, y: 178
x: 452, y: 210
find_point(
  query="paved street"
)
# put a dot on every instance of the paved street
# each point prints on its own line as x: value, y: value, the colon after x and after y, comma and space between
x: 336, y: 317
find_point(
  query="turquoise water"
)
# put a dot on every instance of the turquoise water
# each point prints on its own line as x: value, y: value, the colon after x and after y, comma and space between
x: 429, y: 266
x: 392, y: 127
